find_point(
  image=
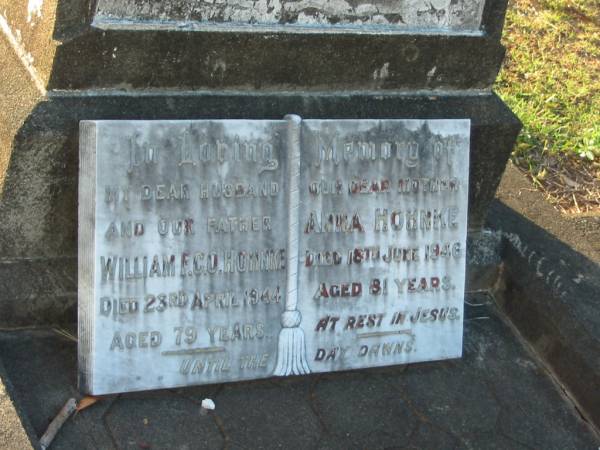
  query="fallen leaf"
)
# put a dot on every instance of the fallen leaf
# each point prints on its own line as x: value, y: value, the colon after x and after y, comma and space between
x: 542, y: 174
x: 86, y: 401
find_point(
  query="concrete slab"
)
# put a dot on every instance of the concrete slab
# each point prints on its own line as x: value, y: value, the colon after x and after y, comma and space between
x: 550, y: 284
x: 15, y: 432
x: 160, y: 420
x: 497, y: 396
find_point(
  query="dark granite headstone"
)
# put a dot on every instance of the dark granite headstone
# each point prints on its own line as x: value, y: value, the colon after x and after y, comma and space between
x: 75, y: 60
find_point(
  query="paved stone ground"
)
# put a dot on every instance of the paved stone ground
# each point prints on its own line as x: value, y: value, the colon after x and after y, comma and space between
x: 496, y: 397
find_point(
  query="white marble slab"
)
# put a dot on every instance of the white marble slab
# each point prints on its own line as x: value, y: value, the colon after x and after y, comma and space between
x: 224, y: 250
x: 384, y: 222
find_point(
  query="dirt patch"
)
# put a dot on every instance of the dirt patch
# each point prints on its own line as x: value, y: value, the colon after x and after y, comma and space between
x: 572, y: 186
x: 580, y: 232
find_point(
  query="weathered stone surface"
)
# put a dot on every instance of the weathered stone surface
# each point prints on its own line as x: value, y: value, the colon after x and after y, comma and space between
x: 275, y: 62
x: 432, y: 435
x: 389, y: 287
x: 18, y: 99
x: 196, y: 214
x: 42, y: 290
x: 28, y: 29
x: 43, y: 392
x: 161, y: 420
x: 151, y: 57
x: 516, y: 394
x: 51, y: 45
x: 52, y: 227
x: 222, y: 250
x: 433, y: 382
x: 483, y: 259
x: 380, y: 15
x: 534, y: 412
x: 34, y: 393
x: 255, y: 421
x: 376, y: 415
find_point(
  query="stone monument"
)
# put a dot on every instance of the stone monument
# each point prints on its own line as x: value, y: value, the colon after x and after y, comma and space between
x: 380, y: 79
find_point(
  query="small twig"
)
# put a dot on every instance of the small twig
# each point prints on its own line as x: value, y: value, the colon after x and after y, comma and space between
x: 65, y: 334
x: 57, y: 423
x: 474, y: 304
x: 576, y: 204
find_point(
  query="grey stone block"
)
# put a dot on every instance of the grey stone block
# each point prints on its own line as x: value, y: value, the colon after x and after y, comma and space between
x: 41, y: 176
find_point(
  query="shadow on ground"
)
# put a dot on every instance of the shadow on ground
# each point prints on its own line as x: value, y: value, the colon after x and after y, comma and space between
x: 496, y: 397
x: 551, y: 292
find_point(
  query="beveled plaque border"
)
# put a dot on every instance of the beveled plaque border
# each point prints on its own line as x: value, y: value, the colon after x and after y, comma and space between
x: 86, y: 253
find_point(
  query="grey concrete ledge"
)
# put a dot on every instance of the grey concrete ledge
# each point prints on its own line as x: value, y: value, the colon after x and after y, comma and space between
x: 550, y: 286
x: 39, y: 290
x: 399, y: 94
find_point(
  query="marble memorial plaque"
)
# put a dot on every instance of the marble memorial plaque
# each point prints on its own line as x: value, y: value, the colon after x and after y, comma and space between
x: 383, y: 232
x: 183, y: 228
x: 224, y: 250
x: 416, y: 16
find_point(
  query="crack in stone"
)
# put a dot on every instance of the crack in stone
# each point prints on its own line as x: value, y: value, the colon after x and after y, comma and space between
x: 219, y: 422
x: 216, y: 419
x: 498, y: 424
x: 423, y: 417
x: 541, y: 364
x: 221, y: 427
x: 218, y: 389
x: 105, y: 421
x: 413, y: 432
x: 511, y: 439
x: 312, y: 399
x: 501, y: 410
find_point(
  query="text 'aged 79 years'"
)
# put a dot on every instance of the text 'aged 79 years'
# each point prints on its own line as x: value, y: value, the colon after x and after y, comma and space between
x: 224, y: 250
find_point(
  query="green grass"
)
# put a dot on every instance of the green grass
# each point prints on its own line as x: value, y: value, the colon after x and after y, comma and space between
x: 551, y: 79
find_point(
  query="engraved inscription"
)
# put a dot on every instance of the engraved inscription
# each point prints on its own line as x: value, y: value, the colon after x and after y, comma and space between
x: 442, y: 15
x: 224, y: 250
x: 190, y: 260
x: 382, y: 244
